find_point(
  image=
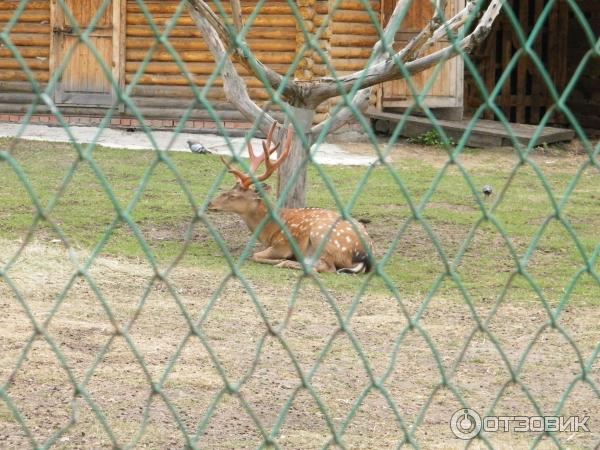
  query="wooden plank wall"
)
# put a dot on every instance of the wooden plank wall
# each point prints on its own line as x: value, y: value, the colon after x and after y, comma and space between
x: 585, y: 99
x: 31, y: 35
x: 524, y: 97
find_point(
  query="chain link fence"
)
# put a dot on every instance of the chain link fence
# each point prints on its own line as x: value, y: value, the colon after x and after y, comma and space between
x: 375, y: 382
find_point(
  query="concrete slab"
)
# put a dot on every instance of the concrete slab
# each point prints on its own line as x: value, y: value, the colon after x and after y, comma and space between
x: 329, y: 154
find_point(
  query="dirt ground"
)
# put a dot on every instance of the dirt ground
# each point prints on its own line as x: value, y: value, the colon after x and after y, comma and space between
x: 261, y: 370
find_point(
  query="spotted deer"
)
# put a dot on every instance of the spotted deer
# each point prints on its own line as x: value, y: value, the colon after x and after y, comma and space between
x: 343, y: 250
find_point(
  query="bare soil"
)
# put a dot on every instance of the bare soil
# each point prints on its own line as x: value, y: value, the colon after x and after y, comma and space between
x: 235, y: 347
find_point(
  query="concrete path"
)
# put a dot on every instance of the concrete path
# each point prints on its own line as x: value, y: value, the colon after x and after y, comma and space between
x: 137, y: 140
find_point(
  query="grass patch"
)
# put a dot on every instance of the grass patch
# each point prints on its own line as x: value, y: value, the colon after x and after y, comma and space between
x: 84, y: 212
x: 431, y: 139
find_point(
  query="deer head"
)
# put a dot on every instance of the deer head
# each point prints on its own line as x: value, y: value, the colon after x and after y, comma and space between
x: 243, y: 196
x: 238, y: 200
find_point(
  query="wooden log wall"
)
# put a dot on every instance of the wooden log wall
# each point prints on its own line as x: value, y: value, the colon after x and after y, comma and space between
x: 275, y: 37
x: 162, y: 91
x: 31, y: 36
x: 353, y: 36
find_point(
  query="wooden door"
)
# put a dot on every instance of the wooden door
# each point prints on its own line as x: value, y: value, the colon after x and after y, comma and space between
x: 83, y: 83
x: 447, y: 90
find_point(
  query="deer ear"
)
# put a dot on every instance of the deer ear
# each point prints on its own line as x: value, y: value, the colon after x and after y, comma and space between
x: 265, y: 187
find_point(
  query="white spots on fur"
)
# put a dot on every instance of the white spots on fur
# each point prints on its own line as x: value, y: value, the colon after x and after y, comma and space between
x: 314, y: 227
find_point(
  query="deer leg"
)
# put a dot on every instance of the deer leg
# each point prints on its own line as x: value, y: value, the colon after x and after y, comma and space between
x: 268, y: 256
x: 272, y: 262
x: 288, y: 264
x: 319, y: 266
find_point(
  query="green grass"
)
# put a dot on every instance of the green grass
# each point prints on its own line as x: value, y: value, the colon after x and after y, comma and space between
x: 431, y: 139
x: 84, y: 212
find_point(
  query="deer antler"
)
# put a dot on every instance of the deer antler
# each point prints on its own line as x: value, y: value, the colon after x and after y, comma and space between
x: 255, y: 161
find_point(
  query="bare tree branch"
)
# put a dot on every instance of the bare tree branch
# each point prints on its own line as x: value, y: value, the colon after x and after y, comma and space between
x: 387, y: 70
x: 393, y: 24
x: 344, y: 115
x: 236, y: 12
x: 440, y: 10
x: 361, y: 99
x: 291, y: 91
x: 409, y: 51
x: 203, y: 10
x: 233, y: 84
x: 436, y: 31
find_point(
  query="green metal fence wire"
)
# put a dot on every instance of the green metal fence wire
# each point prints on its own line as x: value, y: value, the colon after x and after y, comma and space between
x: 123, y: 216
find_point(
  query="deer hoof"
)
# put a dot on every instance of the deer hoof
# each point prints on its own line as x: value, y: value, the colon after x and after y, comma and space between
x: 284, y: 264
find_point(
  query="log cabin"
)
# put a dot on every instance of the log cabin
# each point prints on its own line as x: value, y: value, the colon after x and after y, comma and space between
x: 124, y: 37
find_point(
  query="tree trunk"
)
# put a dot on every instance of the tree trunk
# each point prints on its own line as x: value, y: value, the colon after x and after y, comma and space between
x: 296, y: 195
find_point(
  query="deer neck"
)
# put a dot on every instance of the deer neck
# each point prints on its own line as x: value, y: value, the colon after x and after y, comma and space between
x: 254, y: 217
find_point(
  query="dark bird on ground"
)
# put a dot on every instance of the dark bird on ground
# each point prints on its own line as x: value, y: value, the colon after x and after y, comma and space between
x: 197, y: 147
x: 487, y: 190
